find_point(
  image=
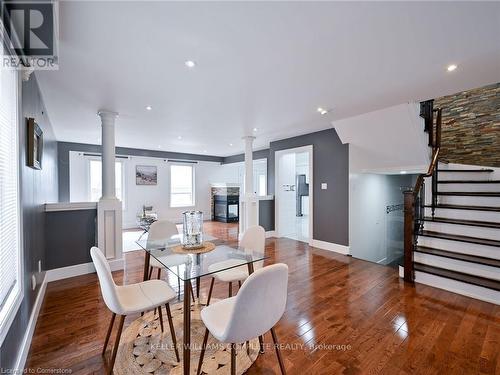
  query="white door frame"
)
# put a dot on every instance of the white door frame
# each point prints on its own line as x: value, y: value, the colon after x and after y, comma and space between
x: 277, y: 156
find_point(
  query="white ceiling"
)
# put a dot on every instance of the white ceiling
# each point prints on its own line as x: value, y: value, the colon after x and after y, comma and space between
x: 263, y: 65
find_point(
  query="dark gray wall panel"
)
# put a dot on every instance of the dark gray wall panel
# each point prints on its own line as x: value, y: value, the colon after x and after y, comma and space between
x: 65, y: 147
x: 260, y: 154
x: 330, y: 165
x: 70, y: 235
x: 37, y: 188
x: 266, y: 214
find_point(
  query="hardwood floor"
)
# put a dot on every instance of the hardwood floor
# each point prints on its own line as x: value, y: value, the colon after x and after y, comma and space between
x: 343, y: 316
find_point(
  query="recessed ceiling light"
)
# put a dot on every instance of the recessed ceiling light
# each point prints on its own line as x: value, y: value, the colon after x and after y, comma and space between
x: 159, y: 146
x: 230, y: 144
x: 149, y: 108
x: 254, y: 129
x: 179, y: 137
x: 205, y: 151
x: 322, y: 111
x: 190, y: 63
x: 451, y: 67
x: 402, y: 172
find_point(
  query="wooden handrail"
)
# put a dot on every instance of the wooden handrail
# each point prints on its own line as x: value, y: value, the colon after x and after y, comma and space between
x: 411, y: 222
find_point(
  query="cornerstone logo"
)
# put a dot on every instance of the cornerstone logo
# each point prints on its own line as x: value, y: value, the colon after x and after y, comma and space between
x: 30, y: 29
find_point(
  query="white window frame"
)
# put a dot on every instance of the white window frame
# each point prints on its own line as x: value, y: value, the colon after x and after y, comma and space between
x: 9, y: 311
x: 193, y: 185
x: 124, y: 190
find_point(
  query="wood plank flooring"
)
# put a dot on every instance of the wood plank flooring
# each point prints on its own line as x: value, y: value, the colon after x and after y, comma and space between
x: 343, y: 316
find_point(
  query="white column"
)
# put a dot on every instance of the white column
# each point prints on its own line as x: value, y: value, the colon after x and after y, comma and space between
x: 109, y: 208
x: 250, y: 204
x: 108, y: 154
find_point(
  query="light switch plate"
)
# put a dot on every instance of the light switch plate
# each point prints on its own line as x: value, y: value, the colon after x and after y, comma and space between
x: 324, y: 186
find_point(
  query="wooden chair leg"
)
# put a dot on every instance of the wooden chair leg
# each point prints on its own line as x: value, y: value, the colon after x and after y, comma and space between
x: 248, y: 348
x: 278, y: 352
x: 172, y: 331
x: 230, y: 289
x: 239, y: 284
x: 109, y: 333
x: 159, y: 273
x: 178, y: 285
x: 160, y: 316
x: 261, y: 345
x: 233, y: 359
x: 210, y: 290
x: 202, y: 353
x: 117, y: 343
x: 150, y: 273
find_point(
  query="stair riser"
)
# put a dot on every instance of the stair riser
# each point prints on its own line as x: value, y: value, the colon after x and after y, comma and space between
x: 464, y: 176
x: 454, y: 286
x: 459, y: 266
x: 465, y: 214
x: 468, y: 201
x: 463, y: 230
x: 469, y: 187
x: 460, y: 247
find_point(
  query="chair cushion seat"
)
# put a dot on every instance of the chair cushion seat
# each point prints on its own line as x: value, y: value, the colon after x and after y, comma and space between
x: 216, y: 317
x: 143, y: 296
x: 233, y: 274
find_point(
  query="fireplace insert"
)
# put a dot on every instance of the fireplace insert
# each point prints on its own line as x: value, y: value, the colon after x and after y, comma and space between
x: 226, y: 208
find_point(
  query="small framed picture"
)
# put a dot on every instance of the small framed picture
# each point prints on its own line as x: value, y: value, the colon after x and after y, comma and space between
x: 35, y: 145
x: 146, y: 175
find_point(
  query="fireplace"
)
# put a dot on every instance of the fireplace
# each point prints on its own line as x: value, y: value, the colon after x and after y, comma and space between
x: 226, y: 208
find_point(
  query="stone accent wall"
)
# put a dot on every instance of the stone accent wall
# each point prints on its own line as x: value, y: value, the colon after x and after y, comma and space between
x: 471, y: 126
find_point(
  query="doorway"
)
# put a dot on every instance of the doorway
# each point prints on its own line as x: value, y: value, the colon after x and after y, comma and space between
x: 294, y: 190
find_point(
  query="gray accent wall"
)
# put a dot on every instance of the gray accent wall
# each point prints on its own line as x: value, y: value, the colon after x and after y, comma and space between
x: 64, y: 148
x: 260, y: 154
x: 330, y: 165
x: 266, y: 214
x: 37, y: 188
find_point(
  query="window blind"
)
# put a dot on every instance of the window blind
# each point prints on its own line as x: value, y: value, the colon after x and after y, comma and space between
x: 9, y: 200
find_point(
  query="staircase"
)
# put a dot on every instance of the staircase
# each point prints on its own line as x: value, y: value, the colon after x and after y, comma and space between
x: 452, y: 227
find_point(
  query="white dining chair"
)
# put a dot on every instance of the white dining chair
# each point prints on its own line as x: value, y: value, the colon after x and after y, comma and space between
x: 162, y: 230
x: 256, y: 309
x: 253, y: 239
x: 131, y: 299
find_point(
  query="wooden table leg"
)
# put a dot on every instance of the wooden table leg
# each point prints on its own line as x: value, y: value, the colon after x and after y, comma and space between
x: 261, y: 340
x: 198, y: 287
x: 147, y: 257
x: 186, y: 350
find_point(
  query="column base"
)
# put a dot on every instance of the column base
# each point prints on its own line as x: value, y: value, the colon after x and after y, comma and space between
x: 109, y: 227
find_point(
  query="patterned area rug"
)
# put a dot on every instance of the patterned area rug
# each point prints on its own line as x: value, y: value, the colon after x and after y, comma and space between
x: 145, y: 350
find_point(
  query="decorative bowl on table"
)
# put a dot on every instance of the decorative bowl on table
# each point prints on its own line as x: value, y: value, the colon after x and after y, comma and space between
x: 192, y: 231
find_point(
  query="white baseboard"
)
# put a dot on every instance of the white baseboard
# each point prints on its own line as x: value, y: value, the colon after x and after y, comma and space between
x: 270, y: 233
x: 330, y: 246
x: 28, y: 336
x: 455, y: 286
x: 80, y: 269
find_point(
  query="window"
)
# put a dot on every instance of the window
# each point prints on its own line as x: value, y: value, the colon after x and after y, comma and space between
x: 95, y: 191
x: 262, y: 185
x: 10, y: 243
x: 181, y: 185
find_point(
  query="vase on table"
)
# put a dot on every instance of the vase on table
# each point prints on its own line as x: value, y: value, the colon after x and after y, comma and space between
x: 192, y: 230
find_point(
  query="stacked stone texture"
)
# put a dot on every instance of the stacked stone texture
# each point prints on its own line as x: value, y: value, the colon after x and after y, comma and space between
x: 471, y: 126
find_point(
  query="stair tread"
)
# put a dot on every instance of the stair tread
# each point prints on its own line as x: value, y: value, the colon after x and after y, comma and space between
x: 470, y: 193
x: 457, y: 237
x: 466, y: 207
x: 469, y: 182
x: 459, y: 256
x: 459, y: 276
x: 476, y: 223
x: 467, y: 170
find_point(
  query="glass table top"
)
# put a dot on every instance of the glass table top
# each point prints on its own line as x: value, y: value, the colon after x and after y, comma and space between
x: 192, y: 266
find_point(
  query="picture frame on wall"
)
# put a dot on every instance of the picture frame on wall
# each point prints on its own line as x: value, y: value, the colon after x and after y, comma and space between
x: 146, y: 175
x: 35, y: 144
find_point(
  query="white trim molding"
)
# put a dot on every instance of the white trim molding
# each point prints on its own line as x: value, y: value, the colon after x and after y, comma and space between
x: 80, y: 269
x: 330, y: 246
x: 270, y: 233
x: 28, y: 336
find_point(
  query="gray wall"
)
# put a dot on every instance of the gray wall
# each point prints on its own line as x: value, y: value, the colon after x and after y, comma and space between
x: 330, y: 165
x: 37, y: 188
x: 65, y: 147
x: 260, y: 154
x: 266, y: 214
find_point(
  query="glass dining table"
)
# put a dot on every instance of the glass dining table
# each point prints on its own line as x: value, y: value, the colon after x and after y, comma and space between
x: 190, y: 267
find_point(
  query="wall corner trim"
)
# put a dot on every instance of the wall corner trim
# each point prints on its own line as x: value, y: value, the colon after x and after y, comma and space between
x: 341, y: 249
x: 80, y: 269
x: 28, y: 336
